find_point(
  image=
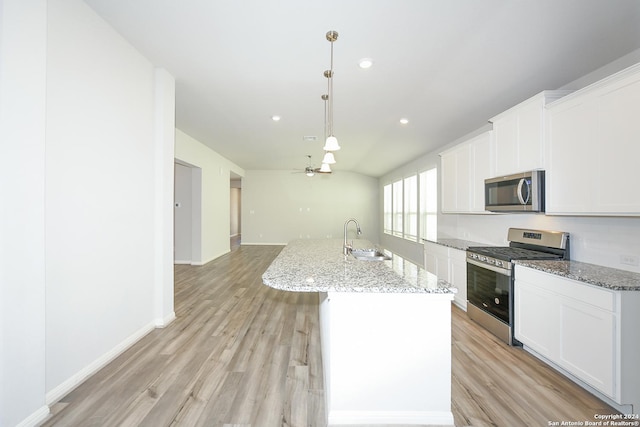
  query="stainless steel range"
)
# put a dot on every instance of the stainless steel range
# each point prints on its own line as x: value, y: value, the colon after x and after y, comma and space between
x: 490, y: 276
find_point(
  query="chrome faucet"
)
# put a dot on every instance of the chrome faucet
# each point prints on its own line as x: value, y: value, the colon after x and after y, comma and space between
x: 346, y: 248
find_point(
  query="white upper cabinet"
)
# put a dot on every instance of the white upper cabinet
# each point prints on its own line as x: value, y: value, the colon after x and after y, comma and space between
x: 455, y: 179
x: 519, y: 134
x: 593, y: 148
x: 463, y: 171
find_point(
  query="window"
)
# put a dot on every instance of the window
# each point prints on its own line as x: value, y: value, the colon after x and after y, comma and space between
x: 397, y: 208
x: 410, y: 206
x: 429, y: 204
x: 387, y: 217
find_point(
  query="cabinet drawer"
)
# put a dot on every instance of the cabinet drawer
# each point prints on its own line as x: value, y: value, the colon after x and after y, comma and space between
x: 588, y: 294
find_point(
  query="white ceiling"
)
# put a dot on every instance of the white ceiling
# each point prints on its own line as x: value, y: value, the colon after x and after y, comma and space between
x: 446, y: 65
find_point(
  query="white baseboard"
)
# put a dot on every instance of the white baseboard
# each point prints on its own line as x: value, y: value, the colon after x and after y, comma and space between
x: 36, y: 418
x: 390, y: 417
x: 182, y: 261
x: 163, y: 323
x: 459, y: 305
x: 200, y: 263
x: 74, y: 381
x: 262, y: 244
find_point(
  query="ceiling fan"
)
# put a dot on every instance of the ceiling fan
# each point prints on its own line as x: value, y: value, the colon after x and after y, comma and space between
x: 311, y: 171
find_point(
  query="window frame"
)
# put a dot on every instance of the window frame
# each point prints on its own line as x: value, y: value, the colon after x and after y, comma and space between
x: 410, y: 206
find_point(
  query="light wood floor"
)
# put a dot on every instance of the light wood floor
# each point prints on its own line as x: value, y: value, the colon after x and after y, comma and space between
x: 241, y: 354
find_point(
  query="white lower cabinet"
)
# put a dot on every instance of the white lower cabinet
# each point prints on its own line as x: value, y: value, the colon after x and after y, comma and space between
x: 449, y: 264
x: 587, y: 331
x: 588, y: 344
x: 458, y: 276
x: 531, y: 328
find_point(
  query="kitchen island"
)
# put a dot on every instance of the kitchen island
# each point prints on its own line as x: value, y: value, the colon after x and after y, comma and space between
x: 385, y: 329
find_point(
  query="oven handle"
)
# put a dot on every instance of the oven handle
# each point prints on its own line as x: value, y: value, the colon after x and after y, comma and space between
x: 498, y: 270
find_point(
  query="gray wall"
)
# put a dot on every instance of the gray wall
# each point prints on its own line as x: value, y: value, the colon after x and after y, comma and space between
x: 279, y: 206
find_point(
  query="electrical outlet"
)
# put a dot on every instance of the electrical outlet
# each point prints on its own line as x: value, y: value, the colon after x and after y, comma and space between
x: 630, y: 260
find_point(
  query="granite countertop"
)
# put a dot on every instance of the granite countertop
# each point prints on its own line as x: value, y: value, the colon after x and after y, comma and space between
x: 604, y: 277
x: 460, y: 244
x: 319, y: 266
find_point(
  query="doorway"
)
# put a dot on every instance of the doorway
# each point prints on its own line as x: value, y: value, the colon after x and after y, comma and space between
x: 187, y: 212
x: 235, y: 214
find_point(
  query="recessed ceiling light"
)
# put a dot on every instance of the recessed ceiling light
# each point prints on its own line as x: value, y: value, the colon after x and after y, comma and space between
x: 365, y: 63
x: 275, y: 118
x: 404, y: 121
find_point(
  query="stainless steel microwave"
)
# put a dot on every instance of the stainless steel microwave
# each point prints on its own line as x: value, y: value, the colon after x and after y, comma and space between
x: 521, y: 192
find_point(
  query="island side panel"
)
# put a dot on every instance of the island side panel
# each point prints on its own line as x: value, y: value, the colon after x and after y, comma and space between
x: 387, y: 358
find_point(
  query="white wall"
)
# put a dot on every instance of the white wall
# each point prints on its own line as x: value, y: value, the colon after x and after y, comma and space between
x: 101, y: 174
x: 86, y: 125
x: 164, y: 147
x: 214, y: 196
x: 22, y: 215
x: 596, y: 240
x: 279, y: 206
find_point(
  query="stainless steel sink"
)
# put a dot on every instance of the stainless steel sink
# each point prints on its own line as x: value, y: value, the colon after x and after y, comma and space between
x: 370, y: 255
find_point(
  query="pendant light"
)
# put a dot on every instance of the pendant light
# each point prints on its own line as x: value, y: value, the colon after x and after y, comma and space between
x: 331, y: 144
x: 325, y: 168
x: 328, y: 158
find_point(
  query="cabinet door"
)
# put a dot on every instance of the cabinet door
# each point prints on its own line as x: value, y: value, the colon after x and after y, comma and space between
x: 455, y: 165
x: 536, y: 318
x: 437, y: 260
x: 481, y: 159
x: 572, y: 147
x: 618, y: 147
x: 449, y: 181
x: 463, y: 171
x: 587, y: 336
x: 592, y: 149
x: 430, y: 262
x: 464, y: 181
x: 506, y: 144
x: 458, y: 276
x: 530, y: 136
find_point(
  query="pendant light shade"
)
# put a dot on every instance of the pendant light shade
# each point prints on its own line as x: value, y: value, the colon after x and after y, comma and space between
x: 331, y: 144
x: 328, y: 158
x: 325, y: 168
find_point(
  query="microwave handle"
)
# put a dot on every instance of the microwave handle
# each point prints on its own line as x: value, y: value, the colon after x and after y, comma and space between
x: 520, y: 185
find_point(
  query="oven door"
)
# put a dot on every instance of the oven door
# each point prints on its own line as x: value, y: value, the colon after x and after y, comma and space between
x: 489, y: 289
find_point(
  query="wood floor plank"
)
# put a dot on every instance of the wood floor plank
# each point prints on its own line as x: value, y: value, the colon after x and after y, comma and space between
x: 240, y: 354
